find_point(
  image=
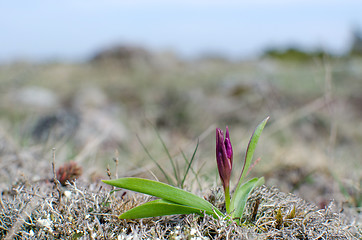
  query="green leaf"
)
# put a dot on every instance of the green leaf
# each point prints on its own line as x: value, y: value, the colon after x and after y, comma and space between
x: 251, y: 148
x: 169, y: 180
x: 159, y: 207
x: 166, y: 192
x: 176, y: 171
x: 242, y: 191
x: 189, y: 164
x: 241, y: 195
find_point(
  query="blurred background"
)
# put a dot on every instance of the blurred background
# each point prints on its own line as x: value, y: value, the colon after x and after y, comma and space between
x: 74, y: 30
x: 121, y: 84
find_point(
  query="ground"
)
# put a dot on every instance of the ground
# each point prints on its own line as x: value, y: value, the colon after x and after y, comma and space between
x: 114, y: 115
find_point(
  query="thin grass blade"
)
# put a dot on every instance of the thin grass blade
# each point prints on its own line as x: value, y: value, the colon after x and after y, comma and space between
x: 196, y: 174
x: 241, y: 195
x: 159, y: 207
x: 166, y: 192
x: 174, y: 168
x: 342, y: 189
x: 189, y: 163
x: 168, y: 178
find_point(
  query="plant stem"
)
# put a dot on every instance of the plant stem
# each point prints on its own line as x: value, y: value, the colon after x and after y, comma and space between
x: 227, y: 199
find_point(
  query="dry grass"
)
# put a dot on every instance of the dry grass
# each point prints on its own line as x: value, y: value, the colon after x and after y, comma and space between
x: 311, y: 146
x: 34, y: 211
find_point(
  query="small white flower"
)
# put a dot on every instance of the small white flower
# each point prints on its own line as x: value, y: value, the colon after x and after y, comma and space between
x: 44, y: 223
x: 131, y: 236
x: 67, y: 194
x: 123, y: 236
x: 47, y: 223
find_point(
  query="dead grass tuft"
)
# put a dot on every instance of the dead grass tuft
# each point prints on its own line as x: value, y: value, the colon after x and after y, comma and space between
x: 32, y: 211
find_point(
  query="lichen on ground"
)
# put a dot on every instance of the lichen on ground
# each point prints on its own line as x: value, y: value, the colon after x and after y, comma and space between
x: 35, y: 211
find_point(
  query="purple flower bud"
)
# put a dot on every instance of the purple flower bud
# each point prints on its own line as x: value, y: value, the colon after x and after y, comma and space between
x: 224, y: 156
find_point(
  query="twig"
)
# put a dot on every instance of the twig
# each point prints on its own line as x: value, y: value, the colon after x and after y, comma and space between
x: 56, y: 182
x: 116, y: 160
x: 1, y: 203
x: 330, y: 107
x: 108, y: 171
x: 29, y: 207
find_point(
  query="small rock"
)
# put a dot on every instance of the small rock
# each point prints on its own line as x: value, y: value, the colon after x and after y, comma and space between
x: 35, y: 97
x: 97, y: 124
x: 61, y: 124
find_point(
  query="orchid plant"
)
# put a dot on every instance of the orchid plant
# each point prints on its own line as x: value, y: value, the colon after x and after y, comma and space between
x: 172, y: 200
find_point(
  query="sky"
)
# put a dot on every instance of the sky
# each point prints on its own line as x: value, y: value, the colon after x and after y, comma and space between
x: 73, y: 30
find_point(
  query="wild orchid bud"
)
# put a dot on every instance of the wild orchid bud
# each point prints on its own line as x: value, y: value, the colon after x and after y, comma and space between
x: 224, y: 156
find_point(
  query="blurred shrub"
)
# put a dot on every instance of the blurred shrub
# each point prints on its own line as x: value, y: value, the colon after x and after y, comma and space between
x: 293, y: 54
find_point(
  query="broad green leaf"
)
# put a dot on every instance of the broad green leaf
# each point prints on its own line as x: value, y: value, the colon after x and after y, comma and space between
x: 241, y: 195
x: 166, y: 192
x: 251, y: 148
x: 159, y: 207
